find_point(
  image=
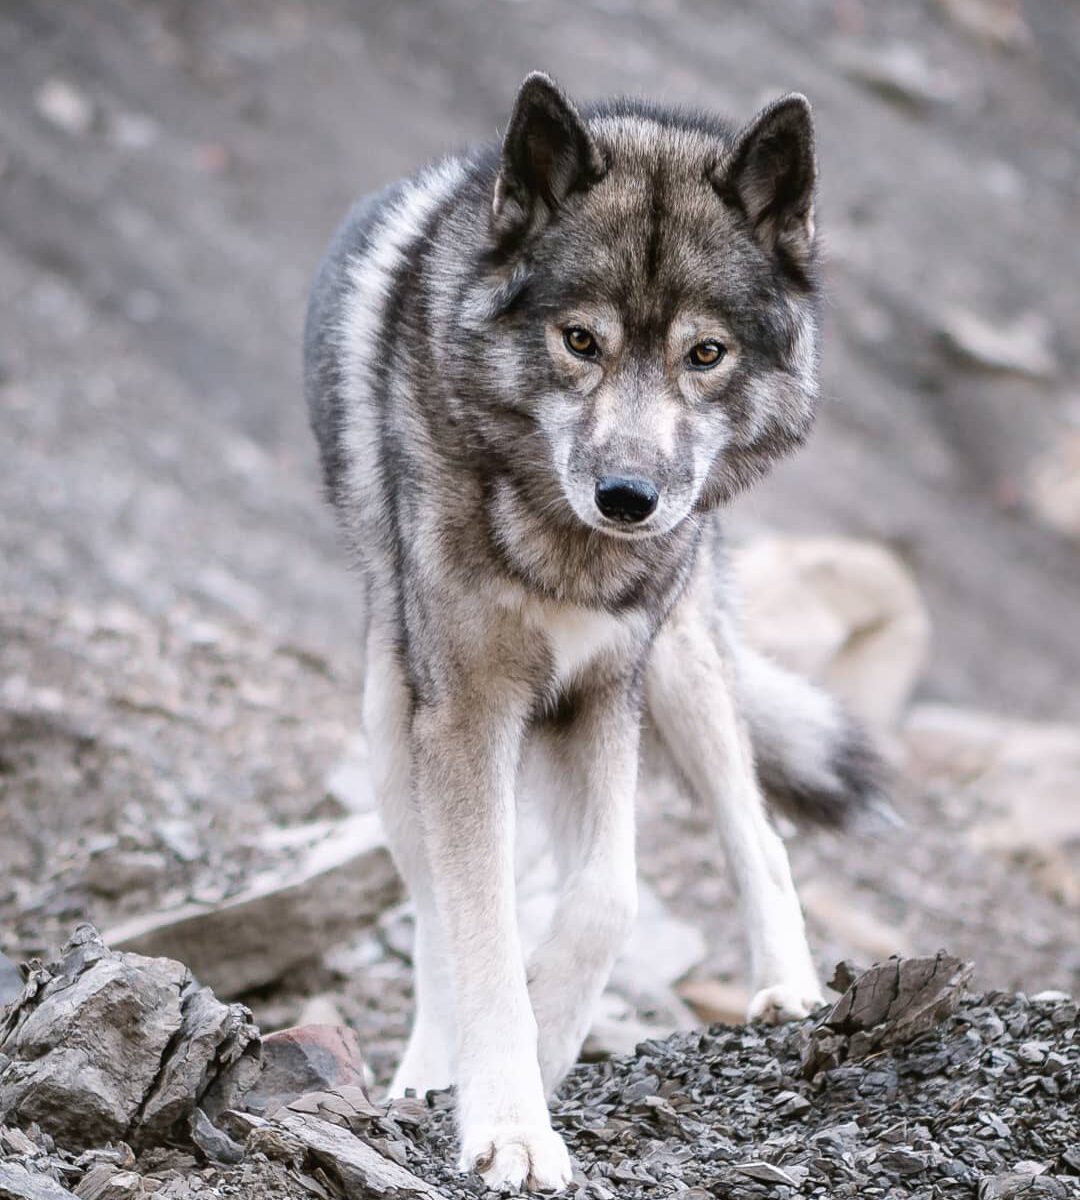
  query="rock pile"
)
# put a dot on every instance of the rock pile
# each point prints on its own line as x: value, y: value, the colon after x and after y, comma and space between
x: 104, y: 1046
x: 906, y: 1087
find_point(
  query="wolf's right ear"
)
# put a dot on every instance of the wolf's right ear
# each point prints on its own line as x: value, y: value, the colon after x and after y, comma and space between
x: 546, y: 155
x: 770, y: 176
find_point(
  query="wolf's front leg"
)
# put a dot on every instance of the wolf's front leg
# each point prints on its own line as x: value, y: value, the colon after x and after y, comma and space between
x: 465, y: 755
x: 692, y: 699
x: 590, y: 815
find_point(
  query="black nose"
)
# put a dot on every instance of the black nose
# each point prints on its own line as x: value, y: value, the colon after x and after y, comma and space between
x: 622, y: 499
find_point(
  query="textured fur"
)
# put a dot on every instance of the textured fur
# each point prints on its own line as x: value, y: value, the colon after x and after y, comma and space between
x: 463, y: 440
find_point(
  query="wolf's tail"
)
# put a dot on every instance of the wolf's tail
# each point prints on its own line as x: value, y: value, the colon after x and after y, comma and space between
x: 814, y: 761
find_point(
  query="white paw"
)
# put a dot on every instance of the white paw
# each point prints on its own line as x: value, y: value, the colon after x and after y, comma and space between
x: 785, y: 1002
x: 515, y: 1156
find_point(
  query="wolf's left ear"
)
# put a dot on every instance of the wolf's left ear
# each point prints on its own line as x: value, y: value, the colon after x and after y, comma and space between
x: 547, y: 154
x: 770, y: 175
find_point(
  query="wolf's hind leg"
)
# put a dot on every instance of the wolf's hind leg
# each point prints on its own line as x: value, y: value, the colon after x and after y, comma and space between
x: 426, y: 1063
x: 589, y: 809
x: 693, y: 701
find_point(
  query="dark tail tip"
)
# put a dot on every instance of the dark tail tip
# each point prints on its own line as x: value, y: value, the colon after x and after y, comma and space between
x: 853, y: 792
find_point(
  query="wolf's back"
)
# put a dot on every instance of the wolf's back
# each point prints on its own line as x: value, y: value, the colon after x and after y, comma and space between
x: 324, y: 383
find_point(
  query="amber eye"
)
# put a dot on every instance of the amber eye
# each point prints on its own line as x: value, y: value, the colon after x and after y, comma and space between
x: 580, y: 342
x: 706, y: 354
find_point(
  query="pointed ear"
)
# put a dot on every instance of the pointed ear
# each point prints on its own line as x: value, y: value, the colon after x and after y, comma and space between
x: 547, y: 154
x: 770, y: 175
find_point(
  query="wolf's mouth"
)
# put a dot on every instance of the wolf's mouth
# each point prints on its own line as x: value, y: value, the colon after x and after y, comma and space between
x: 626, y: 533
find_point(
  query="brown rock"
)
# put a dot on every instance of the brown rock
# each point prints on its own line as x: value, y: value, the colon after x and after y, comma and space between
x: 848, y: 921
x: 1023, y: 780
x: 863, y: 629
x: 1055, y: 487
x: 902, y: 997
x: 307, y: 1058
x: 997, y: 22
x: 113, y: 871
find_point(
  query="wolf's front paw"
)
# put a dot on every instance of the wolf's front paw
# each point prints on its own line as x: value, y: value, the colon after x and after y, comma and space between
x: 517, y: 1156
x: 785, y: 1002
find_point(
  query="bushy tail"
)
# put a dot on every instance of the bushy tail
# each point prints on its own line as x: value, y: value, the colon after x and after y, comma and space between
x: 815, y: 762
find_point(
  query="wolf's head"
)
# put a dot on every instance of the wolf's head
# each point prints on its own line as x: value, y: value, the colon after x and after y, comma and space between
x: 647, y: 303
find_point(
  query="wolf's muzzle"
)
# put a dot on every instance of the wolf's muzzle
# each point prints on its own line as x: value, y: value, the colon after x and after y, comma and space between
x: 626, y: 500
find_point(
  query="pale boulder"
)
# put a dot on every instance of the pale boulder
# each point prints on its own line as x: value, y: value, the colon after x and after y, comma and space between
x: 1055, y: 487
x: 844, y: 612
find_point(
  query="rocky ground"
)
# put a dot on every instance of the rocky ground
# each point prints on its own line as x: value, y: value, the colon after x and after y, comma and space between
x: 121, y: 1077
x: 179, y: 637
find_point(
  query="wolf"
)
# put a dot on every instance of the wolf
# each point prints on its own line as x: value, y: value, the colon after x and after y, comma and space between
x: 537, y: 373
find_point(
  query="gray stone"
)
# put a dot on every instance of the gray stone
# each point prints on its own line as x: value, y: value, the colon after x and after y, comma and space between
x: 106, y: 1182
x: 766, y: 1173
x: 17, y: 1183
x: 902, y: 1160
x: 213, y: 1142
x: 1021, y: 346
x: 898, y: 72
x: 352, y: 1160
x: 114, y: 871
x: 1018, y: 1183
x: 284, y: 917
x: 15, y: 1142
x: 106, y: 1046
x: 66, y: 106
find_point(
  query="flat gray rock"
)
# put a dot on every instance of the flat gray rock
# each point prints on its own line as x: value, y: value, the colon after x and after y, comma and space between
x: 353, y: 1161
x: 344, y: 879
x: 892, y: 1003
x: 17, y: 1183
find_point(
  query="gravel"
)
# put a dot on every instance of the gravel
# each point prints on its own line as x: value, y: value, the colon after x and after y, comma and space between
x: 906, y: 1087
x: 984, y: 1105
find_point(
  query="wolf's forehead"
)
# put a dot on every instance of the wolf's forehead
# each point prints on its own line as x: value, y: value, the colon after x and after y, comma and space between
x: 637, y: 142
x: 657, y: 187
x: 651, y: 238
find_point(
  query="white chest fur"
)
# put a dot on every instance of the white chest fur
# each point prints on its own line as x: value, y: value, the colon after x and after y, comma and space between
x: 577, y: 636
